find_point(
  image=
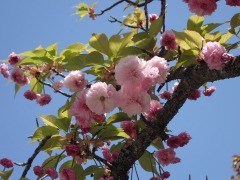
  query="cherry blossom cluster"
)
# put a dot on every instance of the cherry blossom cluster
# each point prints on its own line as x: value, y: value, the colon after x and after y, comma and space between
x: 163, y: 176
x: 108, y: 155
x: 41, y: 99
x: 207, y: 7
x: 194, y: 96
x: 168, y: 156
x: 65, y: 174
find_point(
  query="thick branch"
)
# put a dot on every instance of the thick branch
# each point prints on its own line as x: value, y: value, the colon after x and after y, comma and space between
x: 191, y: 78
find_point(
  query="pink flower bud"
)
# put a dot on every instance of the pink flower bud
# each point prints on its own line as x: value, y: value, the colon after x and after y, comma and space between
x: 30, y: 95
x: 195, y: 95
x: 209, y: 91
x: 152, y: 17
x: 7, y: 163
x: 14, y: 59
x: 227, y: 57
x: 38, y: 170
x: 72, y: 150
x: 68, y: 174
x: 43, y: 99
x: 166, y: 95
x: 52, y: 173
x: 165, y: 175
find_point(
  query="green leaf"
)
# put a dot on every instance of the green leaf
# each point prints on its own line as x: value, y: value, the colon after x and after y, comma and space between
x: 118, y: 117
x: 82, y: 10
x: 92, y: 170
x: 116, y: 43
x: 53, y: 161
x: 225, y: 37
x: 195, y: 22
x: 75, y: 63
x: 55, y: 142
x: 156, y: 27
x: 36, y: 86
x: 189, y: 39
x: 207, y: 28
x: 17, y: 88
x: 53, y: 121
x: 78, y: 47
x: 44, y: 131
x: 187, y: 58
x: 63, y: 112
x: 110, y: 132
x: 94, y: 58
x: 157, y: 143
x: 132, y: 50
x: 117, y: 147
x: 76, y: 167
x: 34, y: 61
x: 213, y: 37
x: 100, y: 43
x: 235, y: 21
x: 5, y: 175
x: 52, y: 49
x: 148, y: 163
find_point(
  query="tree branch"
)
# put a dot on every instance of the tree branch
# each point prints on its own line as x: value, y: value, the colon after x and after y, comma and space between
x: 30, y: 160
x: 138, y: 5
x: 191, y: 78
x: 109, y: 8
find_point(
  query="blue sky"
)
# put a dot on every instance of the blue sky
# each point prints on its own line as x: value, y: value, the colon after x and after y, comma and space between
x: 213, y: 122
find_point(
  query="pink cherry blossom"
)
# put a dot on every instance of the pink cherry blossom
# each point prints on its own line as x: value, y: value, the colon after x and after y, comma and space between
x: 233, y: 2
x: 165, y: 175
x: 129, y: 70
x: 156, y: 70
x: 129, y: 128
x: 152, y: 17
x: 133, y: 100
x: 155, y: 107
x: 100, y: 98
x: 195, y: 95
x: 107, y: 154
x: 75, y: 81
x: 168, y: 40
x: 186, y: 1
x: 30, y: 95
x: 68, y: 174
x: 173, y: 142
x: 7, y: 163
x: 4, y: 70
x: 52, y: 173
x: 202, y: 7
x: 166, y: 95
x: 184, y: 138
x: 155, y: 178
x: 43, y: 99
x: 227, y: 57
x: 14, y: 59
x: 72, y: 150
x: 209, y: 91
x: 18, y: 77
x: 167, y: 156
x: 38, y: 170
x: 212, y: 53
x: 57, y: 86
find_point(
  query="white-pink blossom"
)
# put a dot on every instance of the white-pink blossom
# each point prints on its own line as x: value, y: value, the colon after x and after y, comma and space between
x: 212, y: 52
x: 129, y: 128
x: 209, y: 91
x: 4, y: 70
x: 133, y: 100
x: 75, y: 81
x: 166, y: 156
x: 152, y: 17
x: 129, y: 70
x: 57, y: 86
x: 156, y: 70
x: 168, y: 40
x: 100, y: 98
x: 202, y: 7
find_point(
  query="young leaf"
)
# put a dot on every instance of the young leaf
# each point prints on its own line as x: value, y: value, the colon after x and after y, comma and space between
x: 148, y: 163
x: 216, y: 36
x: 156, y: 27
x: 118, y: 117
x: 55, y: 142
x: 75, y: 63
x: 44, y: 131
x: 100, y: 43
x: 36, y: 86
x: 82, y: 10
x: 52, y: 49
x: 187, y: 58
x: 207, y: 28
x: 235, y: 21
x: 53, y: 161
x: 195, y: 22
x: 17, y: 88
x: 53, y: 121
x: 111, y: 131
x: 92, y: 170
x: 94, y: 58
x: 5, y: 175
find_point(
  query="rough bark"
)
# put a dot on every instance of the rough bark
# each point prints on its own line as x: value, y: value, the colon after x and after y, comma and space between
x: 191, y: 78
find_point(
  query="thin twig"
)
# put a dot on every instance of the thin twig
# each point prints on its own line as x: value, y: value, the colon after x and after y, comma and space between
x: 120, y: 22
x: 49, y: 85
x: 146, y: 13
x: 138, y: 5
x: 58, y: 73
x: 30, y: 160
x: 110, y: 7
x: 163, y: 13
